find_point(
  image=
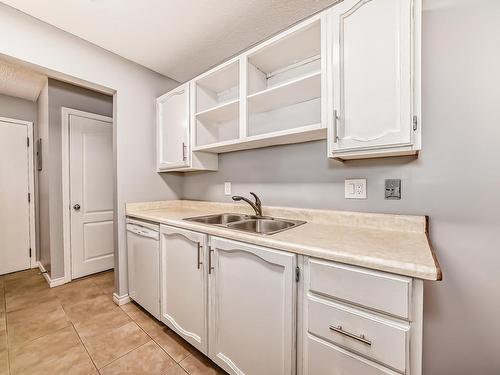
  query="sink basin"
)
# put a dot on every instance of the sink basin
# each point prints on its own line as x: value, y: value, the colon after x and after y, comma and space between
x: 247, y: 223
x: 262, y: 226
x: 219, y: 219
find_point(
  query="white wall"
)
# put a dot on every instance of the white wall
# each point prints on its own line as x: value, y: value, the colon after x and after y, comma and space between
x: 456, y: 181
x: 68, y: 58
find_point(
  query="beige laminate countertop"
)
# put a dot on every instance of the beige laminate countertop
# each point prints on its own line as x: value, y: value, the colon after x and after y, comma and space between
x: 391, y: 243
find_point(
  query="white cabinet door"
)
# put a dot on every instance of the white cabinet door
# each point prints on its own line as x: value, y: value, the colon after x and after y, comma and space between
x: 371, y: 50
x: 184, y: 291
x: 252, y: 308
x: 172, y: 111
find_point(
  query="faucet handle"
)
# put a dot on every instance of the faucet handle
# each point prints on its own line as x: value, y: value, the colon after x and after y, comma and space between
x: 257, y: 199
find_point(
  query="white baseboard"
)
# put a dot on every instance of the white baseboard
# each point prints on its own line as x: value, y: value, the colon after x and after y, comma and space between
x: 121, y: 300
x: 52, y: 282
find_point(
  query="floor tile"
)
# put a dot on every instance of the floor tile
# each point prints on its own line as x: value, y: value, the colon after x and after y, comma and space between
x: 176, y: 370
x: 31, y: 280
x: 2, y: 300
x: 130, y: 308
x: 173, y: 344
x: 29, y: 324
x: 83, y: 310
x: 18, y: 301
x: 147, y: 359
x: 104, y: 279
x: 74, y: 361
x: 3, y: 332
x: 148, y: 323
x: 22, y: 275
x: 77, y: 292
x: 113, y: 344
x: 44, y: 349
x: 4, y: 362
x: 198, y: 364
x: 102, y: 322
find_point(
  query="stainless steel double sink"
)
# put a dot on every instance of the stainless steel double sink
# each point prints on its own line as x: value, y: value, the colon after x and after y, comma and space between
x: 247, y: 223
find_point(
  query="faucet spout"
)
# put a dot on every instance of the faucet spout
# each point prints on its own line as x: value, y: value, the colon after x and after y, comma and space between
x: 257, y: 206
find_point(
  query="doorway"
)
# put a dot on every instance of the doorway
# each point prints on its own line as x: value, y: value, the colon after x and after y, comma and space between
x: 17, y: 213
x: 88, y: 193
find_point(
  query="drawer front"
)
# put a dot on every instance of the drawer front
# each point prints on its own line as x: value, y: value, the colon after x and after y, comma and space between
x: 327, y: 359
x: 369, y: 335
x: 376, y: 290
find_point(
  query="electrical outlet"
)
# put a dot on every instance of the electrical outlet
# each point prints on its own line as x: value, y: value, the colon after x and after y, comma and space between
x: 355, y: 188
x: 227, y: 188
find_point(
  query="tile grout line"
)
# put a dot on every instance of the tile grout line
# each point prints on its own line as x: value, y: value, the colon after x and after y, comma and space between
x: 6, y: 327
x: 152, y: 338
x: 84, y: 346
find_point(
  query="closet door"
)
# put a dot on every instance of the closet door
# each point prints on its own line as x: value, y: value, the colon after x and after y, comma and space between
x: 371, y: 49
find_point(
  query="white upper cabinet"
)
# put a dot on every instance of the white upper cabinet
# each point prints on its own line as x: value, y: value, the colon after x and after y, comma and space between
x: 173, y: 134
x: 173, y: 129
x: 374, y: 49
x: 350, y: 74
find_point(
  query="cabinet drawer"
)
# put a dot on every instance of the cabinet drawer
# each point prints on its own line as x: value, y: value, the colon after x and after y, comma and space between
x: 372, y: 336
x: 327, y: 359
x: 376, y: 290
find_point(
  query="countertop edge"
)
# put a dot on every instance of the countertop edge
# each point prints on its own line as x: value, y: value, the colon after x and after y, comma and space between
x: 405, y: 269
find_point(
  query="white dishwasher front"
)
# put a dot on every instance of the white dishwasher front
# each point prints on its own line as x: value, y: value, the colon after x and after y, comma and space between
x: 143, y: 248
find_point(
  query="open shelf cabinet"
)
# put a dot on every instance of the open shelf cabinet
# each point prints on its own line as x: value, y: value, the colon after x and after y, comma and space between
x: 217, y: 105
x: 270, y: 95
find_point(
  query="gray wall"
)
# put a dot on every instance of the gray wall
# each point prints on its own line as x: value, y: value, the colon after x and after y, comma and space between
x: 60, y: 95
x: 455, y: 181
x: 17, y: 108
x: 43, y: 222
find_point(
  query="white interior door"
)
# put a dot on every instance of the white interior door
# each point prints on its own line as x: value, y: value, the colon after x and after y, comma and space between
x: 14, y: 205
x: 91, y: 194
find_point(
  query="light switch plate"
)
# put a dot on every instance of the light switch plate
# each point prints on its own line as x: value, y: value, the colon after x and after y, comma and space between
x: 227, y: 188
x: 355, y: 188
x: 393, y: 189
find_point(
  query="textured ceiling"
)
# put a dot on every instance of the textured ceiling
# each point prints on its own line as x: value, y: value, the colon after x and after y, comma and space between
x: 177, y: 38
x: 20, y: 82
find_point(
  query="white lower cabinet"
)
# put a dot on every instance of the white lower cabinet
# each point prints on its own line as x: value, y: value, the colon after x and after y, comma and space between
x: 356, y: 321
x: 323, y: 358
x: 184, y: 285
x: 252, y: 308
x: 259, y: 311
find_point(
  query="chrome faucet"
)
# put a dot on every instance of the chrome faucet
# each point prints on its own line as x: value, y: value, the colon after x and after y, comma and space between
x: 257, y: 206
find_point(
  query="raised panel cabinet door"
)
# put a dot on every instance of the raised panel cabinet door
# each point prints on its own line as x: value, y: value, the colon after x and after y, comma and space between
x: 252, y: 308
x: 184, y: 284
x: 173, y: 128
x: 371, y: 49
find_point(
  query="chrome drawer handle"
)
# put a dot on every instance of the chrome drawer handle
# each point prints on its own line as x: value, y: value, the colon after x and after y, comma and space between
x: 199, y: 256
x: 360, y: 338
x: 210, y: 266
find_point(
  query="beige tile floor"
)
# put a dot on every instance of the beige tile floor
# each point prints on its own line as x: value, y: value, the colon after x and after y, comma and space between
x: 77, y: 329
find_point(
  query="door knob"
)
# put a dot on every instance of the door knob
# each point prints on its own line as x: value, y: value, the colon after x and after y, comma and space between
x: 76, y: 207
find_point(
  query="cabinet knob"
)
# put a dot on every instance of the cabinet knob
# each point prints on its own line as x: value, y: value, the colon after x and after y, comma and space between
x: 76, y: 207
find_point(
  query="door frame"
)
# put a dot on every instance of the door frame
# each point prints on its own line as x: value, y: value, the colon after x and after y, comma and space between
x: 65, y: 124
x: 31, y: 186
